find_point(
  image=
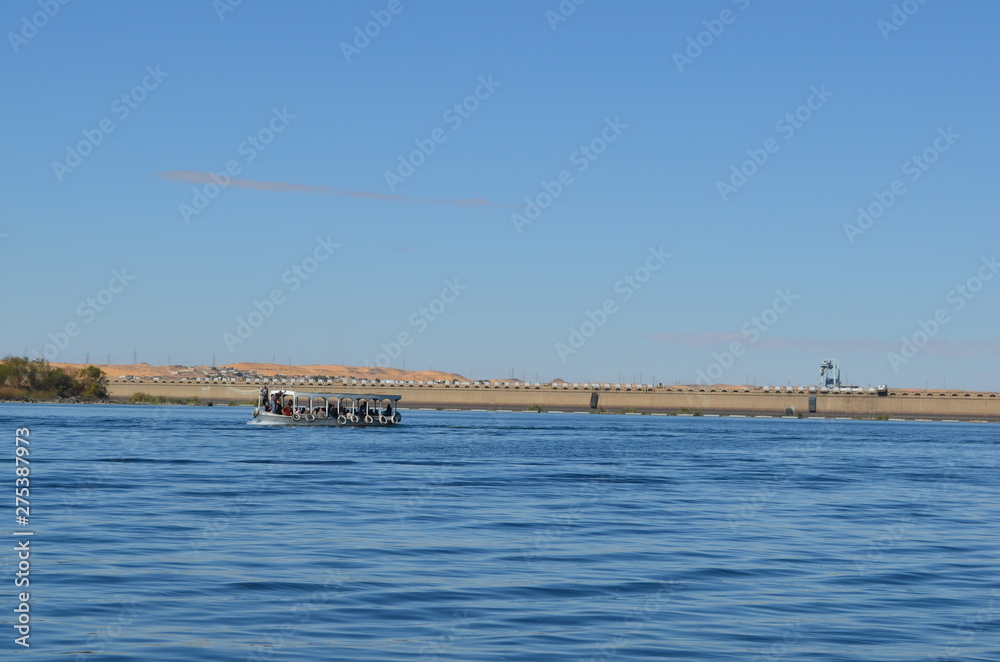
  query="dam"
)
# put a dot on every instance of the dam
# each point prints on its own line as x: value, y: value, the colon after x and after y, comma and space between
x: 682, y: 400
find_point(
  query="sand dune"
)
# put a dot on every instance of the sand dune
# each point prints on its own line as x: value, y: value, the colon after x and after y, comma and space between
x: 114, y: 371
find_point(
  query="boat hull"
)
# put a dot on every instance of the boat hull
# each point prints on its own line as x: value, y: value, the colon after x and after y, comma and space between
x: 265, y: 418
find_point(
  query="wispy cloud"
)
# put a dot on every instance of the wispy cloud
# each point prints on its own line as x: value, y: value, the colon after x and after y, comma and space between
x: 939, y: 347
x: 199, y: 177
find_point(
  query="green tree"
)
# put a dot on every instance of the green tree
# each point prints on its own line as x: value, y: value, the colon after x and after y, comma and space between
x: 93, y: 383
x: 56, y: 381
x: 15, y: 371
x: 37, y: 377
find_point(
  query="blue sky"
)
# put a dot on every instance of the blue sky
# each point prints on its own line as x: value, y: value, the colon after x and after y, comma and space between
x: 650, y: 254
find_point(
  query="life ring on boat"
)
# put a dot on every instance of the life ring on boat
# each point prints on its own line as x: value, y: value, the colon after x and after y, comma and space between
x: 397, y: 417
x: 383, y: 419
x: 310, y: 417
x: 341, y: 420
x: 296, y: 416
x: 369, y: 420
x: 256, y: 412
x: 354, y: 418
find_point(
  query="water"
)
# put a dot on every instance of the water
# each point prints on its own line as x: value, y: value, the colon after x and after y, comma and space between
x: 180, y: 533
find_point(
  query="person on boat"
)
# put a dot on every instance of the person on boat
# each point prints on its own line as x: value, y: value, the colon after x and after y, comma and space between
x: 388, y: 408
x: 287, y: 411
x: 364, y: 408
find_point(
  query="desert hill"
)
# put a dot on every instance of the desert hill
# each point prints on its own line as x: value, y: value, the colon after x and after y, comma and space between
x: 114, y: 371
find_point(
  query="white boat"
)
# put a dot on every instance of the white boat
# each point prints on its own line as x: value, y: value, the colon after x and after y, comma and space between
x: 325, y: 409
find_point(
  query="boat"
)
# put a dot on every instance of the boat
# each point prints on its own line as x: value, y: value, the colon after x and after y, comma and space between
x: 326, y: 409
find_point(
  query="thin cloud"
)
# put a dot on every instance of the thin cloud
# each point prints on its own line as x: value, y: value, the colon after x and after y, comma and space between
x: 199, y: 177
x: 944, y: 348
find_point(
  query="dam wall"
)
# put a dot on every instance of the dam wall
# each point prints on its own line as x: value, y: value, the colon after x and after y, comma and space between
x: 957, y: 405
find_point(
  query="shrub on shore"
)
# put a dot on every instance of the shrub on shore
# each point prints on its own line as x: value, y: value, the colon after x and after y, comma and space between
x: 143, y: 398
x: 21, y: 379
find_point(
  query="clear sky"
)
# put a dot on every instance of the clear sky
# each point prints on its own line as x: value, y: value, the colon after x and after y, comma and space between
x: 694, y: 172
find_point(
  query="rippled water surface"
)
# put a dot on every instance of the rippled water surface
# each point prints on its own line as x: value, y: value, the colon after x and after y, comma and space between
x: 181, y: 533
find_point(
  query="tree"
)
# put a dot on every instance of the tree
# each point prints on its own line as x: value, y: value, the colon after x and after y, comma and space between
x: 38, y: 378
x: 93, y: 382
x: 56, y: 381
x: 14, y: 372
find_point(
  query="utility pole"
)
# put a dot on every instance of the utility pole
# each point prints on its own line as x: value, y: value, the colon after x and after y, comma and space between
x: 134, y: 359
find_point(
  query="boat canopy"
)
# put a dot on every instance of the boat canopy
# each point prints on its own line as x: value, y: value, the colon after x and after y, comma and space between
x: 341, y: 396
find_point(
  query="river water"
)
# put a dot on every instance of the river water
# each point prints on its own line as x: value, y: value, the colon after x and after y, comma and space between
x: 182, y: 533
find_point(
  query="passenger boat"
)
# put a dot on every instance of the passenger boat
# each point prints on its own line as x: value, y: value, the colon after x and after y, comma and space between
x: 326, y: 409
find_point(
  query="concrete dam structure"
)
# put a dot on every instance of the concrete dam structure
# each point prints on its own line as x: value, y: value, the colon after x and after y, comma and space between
x: 902, y: 404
